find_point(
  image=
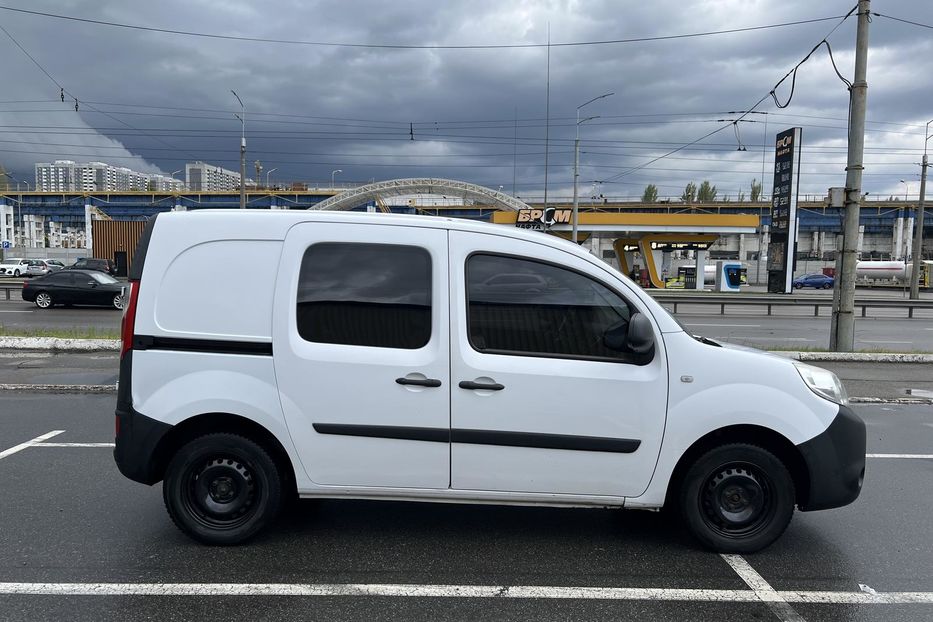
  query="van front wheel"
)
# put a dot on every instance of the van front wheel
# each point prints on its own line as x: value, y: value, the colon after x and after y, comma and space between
x: 737, y: 498
x: 222, y: 489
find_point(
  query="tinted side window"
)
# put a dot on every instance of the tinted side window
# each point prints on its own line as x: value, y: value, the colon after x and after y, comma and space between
x: 59, y: 278
x: 549, y: 311
x: 376, y: 295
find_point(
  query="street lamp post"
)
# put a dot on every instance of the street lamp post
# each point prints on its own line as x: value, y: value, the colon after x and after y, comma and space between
x: 242, y: 118
x: 918, y: 221
x: 906, y: 190
x: 173, y: 176
x: 268, y: 173
x: 332, y: 175
x: 576, y: 164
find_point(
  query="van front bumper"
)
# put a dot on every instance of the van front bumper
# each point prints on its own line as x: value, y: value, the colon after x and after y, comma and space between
x: 835, y: 461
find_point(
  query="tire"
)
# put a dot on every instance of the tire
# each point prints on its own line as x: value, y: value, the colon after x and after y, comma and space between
x: 222, y: 489
x: 797, y: 286
x: 737, y: 498
x: 44, y: 300
x: 118, y: 302
x: 16, y: 273
x: 827, y: 285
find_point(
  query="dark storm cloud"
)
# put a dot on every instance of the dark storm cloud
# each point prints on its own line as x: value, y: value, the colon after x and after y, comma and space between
x: 365, y: 99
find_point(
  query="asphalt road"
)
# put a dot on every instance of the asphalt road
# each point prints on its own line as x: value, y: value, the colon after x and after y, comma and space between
x: 67, y: 516
x: 787, y: 329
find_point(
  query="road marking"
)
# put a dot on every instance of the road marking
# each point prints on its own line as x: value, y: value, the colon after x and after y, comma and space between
x: 27, y: 444
x: 74, y: 445
x: 902, y: 456
x: 756, y: 338
x: 457, y: 591
x: 9, y: 311
x: 728, y: 325
x: 762, y: 589
x: 883, y: 341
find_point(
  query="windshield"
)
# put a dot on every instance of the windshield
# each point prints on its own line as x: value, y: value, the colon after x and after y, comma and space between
x: 100, y: 277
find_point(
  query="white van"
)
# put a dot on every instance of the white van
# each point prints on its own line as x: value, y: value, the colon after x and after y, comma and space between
x: 375, y: 356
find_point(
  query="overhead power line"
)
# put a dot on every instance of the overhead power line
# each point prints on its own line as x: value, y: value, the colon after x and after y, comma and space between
x: 398, y: 46
x: 749, y: 111
x: 905, y: 21
x: 65, y: 91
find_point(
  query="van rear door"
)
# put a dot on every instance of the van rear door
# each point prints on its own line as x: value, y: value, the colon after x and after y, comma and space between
x: 361, y: 349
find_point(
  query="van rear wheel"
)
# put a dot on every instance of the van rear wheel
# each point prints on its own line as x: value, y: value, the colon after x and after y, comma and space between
x: 737, y: 498
x: 222, y: 489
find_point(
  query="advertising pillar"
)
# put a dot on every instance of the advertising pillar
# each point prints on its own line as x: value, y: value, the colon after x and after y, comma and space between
x: 782, y: 251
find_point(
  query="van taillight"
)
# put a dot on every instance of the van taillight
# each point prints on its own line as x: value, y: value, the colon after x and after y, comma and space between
x: 128, y: 326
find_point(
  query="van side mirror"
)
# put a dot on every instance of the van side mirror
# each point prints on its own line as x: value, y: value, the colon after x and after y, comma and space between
x: 640, y: 334
x: 634, y: 335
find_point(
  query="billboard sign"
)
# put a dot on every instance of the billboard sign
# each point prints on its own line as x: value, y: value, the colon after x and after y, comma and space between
x: 782, y: 249
x: 542, y: 219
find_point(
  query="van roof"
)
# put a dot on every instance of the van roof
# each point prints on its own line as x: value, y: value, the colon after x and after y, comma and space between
x: 269, y: 222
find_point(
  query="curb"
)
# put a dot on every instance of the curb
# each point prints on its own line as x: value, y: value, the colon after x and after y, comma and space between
x: 912, y: 401
x: 856, y: 357
x: 112, y: 388
x: 57, y: 344
x: 60, y: 388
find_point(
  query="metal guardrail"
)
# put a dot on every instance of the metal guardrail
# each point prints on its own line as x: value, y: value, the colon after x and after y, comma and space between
x: 786, y: 301
x: 768, y: 301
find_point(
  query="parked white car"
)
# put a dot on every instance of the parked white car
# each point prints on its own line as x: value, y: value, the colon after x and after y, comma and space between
x: 383, y: 361
x: 14, y: 266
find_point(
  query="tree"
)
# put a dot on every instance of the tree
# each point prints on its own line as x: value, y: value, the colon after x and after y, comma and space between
x: 690, y: 193
x: 4, y: 179
x: 756, y: 191
x: 741, y: 196
x: 706, y: 193
x: 650, y: 195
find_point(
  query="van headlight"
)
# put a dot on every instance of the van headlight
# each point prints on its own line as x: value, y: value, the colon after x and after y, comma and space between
x: 823, y: 382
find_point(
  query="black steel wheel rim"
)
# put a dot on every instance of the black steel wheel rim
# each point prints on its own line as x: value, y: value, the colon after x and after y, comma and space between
x: 737, y: 500
x: 221, y: 492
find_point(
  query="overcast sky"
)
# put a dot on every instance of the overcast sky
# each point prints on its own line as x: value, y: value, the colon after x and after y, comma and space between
x: 165, y: 98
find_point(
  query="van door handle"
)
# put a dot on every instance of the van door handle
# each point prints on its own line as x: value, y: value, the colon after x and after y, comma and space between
x: 427, y: 382
x: 480, y: 386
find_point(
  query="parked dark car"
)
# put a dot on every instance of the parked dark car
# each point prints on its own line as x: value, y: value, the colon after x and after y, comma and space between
x: 74, y: 287
x: 815, y: 280
x: 93, y: 263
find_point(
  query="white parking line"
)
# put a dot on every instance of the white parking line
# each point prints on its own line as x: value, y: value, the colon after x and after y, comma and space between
x: 882, y: 341
x: 458, y: 591
x: 38, y: 442
x: 27, y: 444
x: 728, y: 325
x: 74, y: 445
x: 762, y: 589
x: 757, y: 338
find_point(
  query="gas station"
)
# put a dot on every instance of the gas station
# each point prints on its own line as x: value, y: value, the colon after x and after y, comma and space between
x: 645, y: 240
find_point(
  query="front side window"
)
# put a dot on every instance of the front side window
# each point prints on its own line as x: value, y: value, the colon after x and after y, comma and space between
x: 518, y: 306
x: 376, y: 295
x: 100, y: 277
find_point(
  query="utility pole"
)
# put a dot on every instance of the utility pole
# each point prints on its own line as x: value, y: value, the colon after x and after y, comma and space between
x: 242, y: 118
x: 576, y: 164
x: 918, y: 228
x: 842, y: 338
